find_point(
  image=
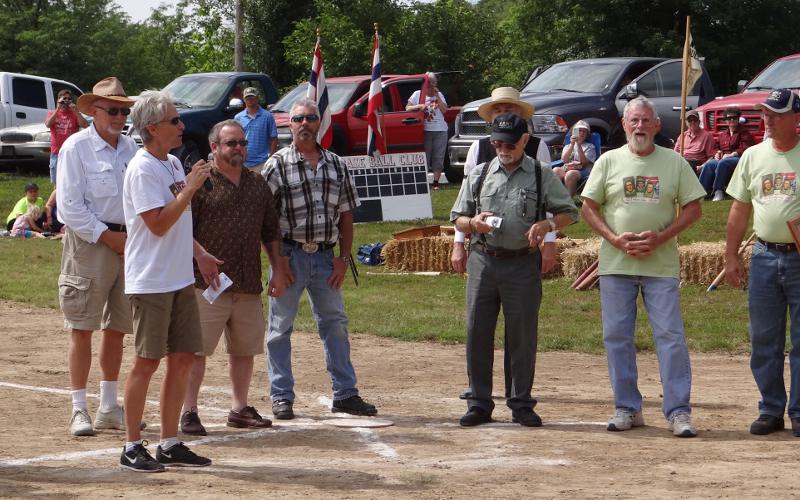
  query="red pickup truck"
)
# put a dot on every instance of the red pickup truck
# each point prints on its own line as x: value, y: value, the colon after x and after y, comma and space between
x: 781, y: 73
x: 348, y: 103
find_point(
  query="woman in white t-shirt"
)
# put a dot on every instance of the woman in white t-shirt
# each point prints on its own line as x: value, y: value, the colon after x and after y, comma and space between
x: 578, y: 157
x: 433, y: 109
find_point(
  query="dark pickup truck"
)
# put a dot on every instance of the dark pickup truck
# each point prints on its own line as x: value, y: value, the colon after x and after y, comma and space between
x: 204, y: 99
x: 594, y: 90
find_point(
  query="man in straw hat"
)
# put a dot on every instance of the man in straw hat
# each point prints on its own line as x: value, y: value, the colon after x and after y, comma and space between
x: 775, y: 266
x: 91, y: 167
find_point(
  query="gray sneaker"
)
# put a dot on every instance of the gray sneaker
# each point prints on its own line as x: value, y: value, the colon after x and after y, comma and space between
x: 681, y: 425
x: 81, y: 423
x: 111, y: 419
x: 624, y: 420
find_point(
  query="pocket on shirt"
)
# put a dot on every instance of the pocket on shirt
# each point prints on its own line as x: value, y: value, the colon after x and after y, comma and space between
x: 102, y: 184
x: 526, y: 207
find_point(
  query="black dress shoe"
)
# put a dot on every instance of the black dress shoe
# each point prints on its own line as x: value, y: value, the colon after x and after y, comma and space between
x: 526, y: 416
x: 475, y: 416
x: 767, y: 424
x: 796, y: 426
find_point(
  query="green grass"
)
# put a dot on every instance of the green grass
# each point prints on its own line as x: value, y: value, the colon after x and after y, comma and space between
x: 431, y: 308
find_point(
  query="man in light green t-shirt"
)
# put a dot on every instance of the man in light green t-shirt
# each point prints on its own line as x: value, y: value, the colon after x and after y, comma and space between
x: 765, y: 185
x: 31, y: 198
x: 632, y: 199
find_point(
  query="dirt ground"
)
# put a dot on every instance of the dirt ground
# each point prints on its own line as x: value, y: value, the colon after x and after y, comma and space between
x: 424, y: 455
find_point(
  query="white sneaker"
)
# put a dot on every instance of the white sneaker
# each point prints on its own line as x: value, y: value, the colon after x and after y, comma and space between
x: 81, y: 424
x: 719, y: 195
x: 624, y: 419
x: 111, y: 419
x: 681, y: 425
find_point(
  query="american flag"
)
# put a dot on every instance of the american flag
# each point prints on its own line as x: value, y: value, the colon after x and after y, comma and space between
x: 376, y: 144
x: 318, y: 91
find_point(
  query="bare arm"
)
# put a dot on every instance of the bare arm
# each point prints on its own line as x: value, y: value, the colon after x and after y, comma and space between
x: 160, y: 220
x: 82, y: 123
x: 738, y: 218
x: 51, y: 120
x: 345, y: 249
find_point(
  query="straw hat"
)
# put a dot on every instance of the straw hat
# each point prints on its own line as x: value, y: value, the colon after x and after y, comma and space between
x: 108, y: 88
x: 508, y: 95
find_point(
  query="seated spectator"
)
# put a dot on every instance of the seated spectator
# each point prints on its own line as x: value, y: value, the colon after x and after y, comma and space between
x: 698, y: 144
x: 716, y: 172
x: 578, y: 157
x: 25, y: 225
x: 51, y: 222
x: 31, y: 198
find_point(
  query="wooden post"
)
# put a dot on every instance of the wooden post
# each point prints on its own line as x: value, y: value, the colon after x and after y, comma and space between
x: 721, y: 275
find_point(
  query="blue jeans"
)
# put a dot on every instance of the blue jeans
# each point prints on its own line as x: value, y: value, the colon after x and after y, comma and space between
x: 716, y: 174
x: 311, y: 272
x: 774, y: 287
x: 662, y: 301
x: 53, y: 164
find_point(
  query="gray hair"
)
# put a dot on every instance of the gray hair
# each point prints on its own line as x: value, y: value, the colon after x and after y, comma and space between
x: 432, y: 77
x: 213, y: 136
x: 640, y: 101
x: 150, y: 108
x: 305, y: 102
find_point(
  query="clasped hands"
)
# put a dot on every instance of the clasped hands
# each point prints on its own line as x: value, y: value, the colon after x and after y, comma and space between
x: 637, y: 244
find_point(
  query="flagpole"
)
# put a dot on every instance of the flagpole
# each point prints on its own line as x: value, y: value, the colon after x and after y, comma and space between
x: 684, y: 81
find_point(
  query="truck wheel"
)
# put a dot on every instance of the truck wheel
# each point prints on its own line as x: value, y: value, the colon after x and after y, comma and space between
x: 189, y: 156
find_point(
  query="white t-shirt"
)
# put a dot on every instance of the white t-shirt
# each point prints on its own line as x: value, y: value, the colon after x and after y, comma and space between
x: 155, y: 264
x: 434, y: 119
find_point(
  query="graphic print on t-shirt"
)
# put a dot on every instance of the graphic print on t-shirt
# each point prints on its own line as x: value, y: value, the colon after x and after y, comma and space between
x: 641, y: 189
x: 781, y: 186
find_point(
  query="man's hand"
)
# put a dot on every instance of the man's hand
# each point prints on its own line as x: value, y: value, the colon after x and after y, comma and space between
x: 209, y: 269
x: 640, y: 244
x: 549, y: 257
x: 733, y: 271
x: 536, y: 233
x: 200, y: 172
x: 458, y: 258
x: 115, y: 241
x: 278, y: 281
x: 336, y: 279
x: 478, y: 223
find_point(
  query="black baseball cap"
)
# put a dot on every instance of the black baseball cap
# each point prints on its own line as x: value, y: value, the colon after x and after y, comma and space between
x: 509, y: 128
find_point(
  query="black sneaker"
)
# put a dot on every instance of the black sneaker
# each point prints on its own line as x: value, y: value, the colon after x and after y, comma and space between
x: 190, y: 423
x: 139, y: 459
x: 766, y: 424
x: 282, y: 409
x: 354, y: 405
x: 475, y: 416
x: 181, y: 456
x: 795, y: 426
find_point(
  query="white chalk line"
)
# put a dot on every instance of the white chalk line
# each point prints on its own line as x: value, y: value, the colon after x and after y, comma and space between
x: 367, y: 436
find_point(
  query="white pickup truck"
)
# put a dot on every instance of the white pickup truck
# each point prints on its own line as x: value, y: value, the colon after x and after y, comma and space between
x: 25, y: 99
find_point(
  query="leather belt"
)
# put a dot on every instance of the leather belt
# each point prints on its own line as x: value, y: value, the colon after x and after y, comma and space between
x: 310, y: 246
x: 502, y: 253
x: 117, y: 228
x: 779, y: 247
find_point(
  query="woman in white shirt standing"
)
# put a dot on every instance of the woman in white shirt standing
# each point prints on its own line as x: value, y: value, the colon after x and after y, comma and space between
x: 433, y: 107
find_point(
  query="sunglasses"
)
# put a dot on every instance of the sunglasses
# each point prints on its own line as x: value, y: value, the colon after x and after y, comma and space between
x: 175, y: 120
x: 115, y: 111
x: 498, y: 145
x: 309, y: 118
x: 232, y: 144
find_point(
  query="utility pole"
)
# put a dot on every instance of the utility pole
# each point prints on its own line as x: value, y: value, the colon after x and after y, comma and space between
x: 238, y: 57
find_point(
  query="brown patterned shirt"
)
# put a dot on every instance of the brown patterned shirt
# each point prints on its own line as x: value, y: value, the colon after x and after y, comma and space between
x: 231, y: 222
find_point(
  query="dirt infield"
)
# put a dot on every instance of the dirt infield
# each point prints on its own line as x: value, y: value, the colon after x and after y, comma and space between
x: 424, y: 455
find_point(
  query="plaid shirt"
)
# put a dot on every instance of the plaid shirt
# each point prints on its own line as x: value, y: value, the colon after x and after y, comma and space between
x: 309, y: 204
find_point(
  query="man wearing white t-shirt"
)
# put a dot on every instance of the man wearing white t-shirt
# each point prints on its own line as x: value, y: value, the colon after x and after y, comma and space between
x: 159, y: 279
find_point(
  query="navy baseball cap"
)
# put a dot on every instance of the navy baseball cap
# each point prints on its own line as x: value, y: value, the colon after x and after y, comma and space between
x: 781, y: 101
x: 508, y: 127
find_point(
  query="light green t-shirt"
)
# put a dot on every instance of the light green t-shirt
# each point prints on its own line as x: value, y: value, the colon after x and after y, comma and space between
x: 768, y: 179
x: 638, y: 194
x: 22, y: 207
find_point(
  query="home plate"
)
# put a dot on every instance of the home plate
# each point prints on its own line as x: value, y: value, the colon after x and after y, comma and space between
x: 358, y: 422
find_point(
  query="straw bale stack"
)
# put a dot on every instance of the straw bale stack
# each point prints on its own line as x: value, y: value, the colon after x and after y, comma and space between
x: 577, y: 259
x: 421, y: 254
x: 702, y: 261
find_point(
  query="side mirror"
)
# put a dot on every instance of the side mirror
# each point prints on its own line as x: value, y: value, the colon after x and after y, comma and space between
x: 740, y: 85
x: 360, y: 109
x: 235, y: 104
x: 631, y: 91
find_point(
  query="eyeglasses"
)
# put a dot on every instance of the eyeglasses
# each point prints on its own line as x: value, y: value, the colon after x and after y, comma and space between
x: 232, y: 144
x: 309, y: 118
x: 498, y: 145
x: 115, y: 111
x: 172, y: 121
x: 65, y: 99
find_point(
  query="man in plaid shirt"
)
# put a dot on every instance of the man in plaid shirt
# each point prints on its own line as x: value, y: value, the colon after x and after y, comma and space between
x: 314, y: 197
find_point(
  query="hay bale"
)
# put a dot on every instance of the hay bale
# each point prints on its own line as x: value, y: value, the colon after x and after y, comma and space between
x: 577, y: 259
x: 422, y: 254
x: 702, y: 261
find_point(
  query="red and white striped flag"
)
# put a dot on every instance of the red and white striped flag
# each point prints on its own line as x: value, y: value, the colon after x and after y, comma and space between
x: 376, y: 144
x: 318, y: 92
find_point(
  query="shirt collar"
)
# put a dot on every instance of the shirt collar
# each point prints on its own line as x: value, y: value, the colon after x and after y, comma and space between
x: 98, y: 143
x: 526, y: 164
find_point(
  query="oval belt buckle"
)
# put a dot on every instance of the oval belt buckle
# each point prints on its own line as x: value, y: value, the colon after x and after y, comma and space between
x: 310, y: 247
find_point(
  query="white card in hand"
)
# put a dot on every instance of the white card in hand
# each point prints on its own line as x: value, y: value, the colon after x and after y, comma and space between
x: 224, y: 282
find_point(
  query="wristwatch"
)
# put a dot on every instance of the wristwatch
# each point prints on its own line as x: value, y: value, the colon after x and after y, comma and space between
x: 346, y: 259
x: 552, y: 224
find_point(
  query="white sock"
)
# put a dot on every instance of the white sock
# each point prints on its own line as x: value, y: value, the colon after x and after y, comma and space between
x: 108, y: 394
x: 130, y: 444
x: 79, y: 400
x: 168, y: 443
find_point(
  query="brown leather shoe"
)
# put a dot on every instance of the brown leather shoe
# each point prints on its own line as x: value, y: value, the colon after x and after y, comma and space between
x: 190, y: 423
x: 247, y: 417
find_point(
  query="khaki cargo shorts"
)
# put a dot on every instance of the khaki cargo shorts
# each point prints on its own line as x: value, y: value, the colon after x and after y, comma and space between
x: 91, y: 287
x: 166, y: 323
x: 240, y: 316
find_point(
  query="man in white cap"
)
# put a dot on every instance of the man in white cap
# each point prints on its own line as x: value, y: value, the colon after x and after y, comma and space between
x: 91, y: 167
x: 260, y: 131
x: 774, y: 286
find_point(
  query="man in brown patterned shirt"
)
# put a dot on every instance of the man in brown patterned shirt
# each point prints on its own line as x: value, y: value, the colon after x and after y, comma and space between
x: 231, y: 222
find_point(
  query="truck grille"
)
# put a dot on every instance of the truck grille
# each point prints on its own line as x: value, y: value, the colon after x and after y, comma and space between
x: 16, y: 138
x: 472, y: 124
x: 715, y: 121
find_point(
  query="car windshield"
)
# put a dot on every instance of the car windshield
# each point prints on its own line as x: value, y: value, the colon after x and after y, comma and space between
x: 576, y: 77
x: 784, y: 73
x: 338, y: 95
x: 198, y: 91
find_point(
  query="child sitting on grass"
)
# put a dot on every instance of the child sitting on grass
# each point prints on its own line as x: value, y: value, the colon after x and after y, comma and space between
x: 25, y: 226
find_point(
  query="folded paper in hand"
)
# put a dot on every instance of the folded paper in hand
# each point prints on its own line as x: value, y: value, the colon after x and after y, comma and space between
x: 224, y: 282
